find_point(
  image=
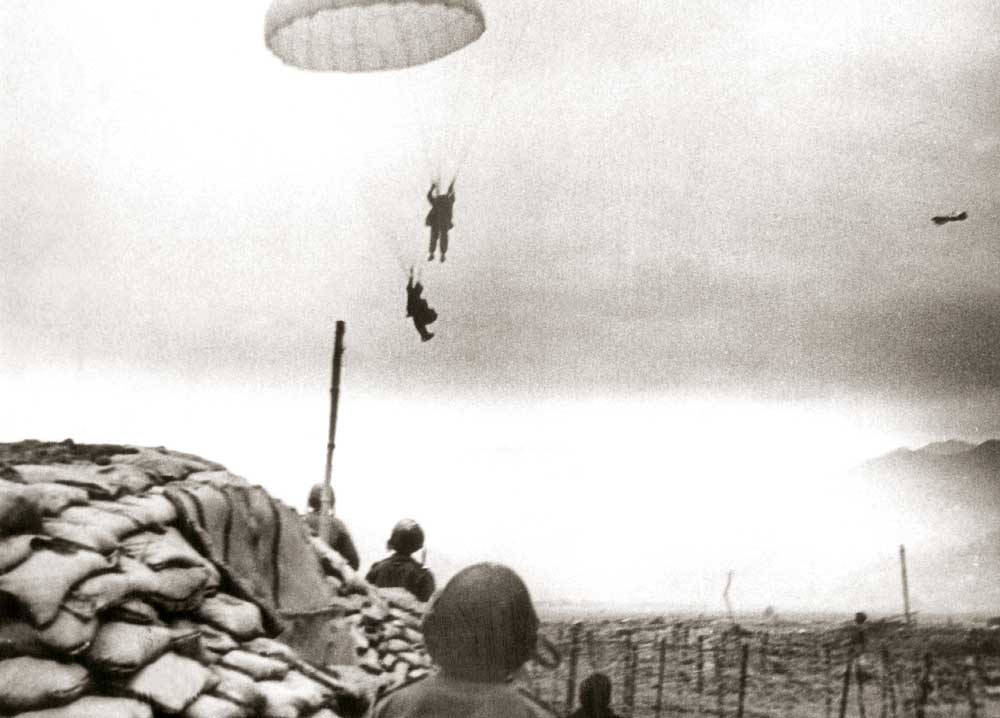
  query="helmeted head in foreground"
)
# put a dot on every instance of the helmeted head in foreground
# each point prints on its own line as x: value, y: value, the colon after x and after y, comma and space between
x: 482, y: 626
x: 595, y: 694
x: 407, y: 537
x: 316, y: 497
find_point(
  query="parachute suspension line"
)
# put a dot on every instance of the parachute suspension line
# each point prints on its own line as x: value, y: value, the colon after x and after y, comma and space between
x: 373, y: 231
x: 403, y: 97
x: 505, y: 72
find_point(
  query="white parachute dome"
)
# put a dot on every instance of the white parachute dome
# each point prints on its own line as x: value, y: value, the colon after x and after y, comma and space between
x: 369, y: 35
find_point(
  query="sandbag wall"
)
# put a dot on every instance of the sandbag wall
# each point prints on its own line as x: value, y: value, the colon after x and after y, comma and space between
x: 110, y: 604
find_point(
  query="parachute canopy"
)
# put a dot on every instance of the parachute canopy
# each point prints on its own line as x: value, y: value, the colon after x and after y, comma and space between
x: 369, y: 35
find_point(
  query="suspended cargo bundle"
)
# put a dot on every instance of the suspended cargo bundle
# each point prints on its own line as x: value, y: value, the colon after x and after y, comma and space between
x: 370, y: 35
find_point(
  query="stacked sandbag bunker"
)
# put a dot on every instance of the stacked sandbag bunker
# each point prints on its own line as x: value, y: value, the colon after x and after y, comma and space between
x: 140, y: 582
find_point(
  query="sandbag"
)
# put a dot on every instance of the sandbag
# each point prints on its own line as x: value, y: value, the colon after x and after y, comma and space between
x: 168, y: 465
x: 18, y: 515
x: 149, y: 511
x: 171, y: 683
x: 323, y: 713
x: 31, y: 683
x: 163, y: 550
x: 95, y: 707
x: 220, y: 477
x: 257, y: 667
x: 93, y: 537
x: 117, y: 525
x: 15, y: 549
x: 180, y: 589
x: 209, y: 706
x: 291, y: 697
x: 48, y: 499
x: 270, y: 648
x: 40, y: 582
x: 67, y: 635
x: 239, y: 688
x: 239, y: 618
x: 126, y: 647
x: 104, y: 590
x: 100, y: 482
x: 133, y: 610
x: 212, y: 643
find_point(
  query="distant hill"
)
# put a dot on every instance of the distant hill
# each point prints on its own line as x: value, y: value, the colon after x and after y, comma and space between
x: 951, y: 489
x: 946, y: 448
x: 950, y: 483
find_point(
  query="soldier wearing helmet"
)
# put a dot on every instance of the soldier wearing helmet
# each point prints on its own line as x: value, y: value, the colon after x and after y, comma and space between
x: 340, y: 538
x: 401, y: 570
x: 480, y: 630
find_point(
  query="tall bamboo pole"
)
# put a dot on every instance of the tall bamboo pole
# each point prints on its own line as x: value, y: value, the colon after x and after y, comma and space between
x: 325, y: 502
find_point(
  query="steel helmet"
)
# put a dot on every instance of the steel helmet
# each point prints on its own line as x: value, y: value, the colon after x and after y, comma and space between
x: 407, y: 537
x: 482, y: 626
x: 316, y: 497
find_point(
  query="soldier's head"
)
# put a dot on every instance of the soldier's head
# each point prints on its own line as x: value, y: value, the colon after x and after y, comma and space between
x: 595, y: 694
x: 316, y: 497
x: 406, y: 537
x: 482, y: 626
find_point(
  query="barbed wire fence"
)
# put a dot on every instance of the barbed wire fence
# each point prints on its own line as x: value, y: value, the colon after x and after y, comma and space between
x: 697, y: 668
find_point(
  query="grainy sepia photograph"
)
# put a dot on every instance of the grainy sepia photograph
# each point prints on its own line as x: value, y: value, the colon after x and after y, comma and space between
x: 500, y: 359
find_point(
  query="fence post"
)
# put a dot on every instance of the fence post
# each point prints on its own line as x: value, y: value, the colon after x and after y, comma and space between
x: 720, y: 684
x: 970, y: 686
x: 628, y: 694
x: 661, y: 668
x: 846, y: 685
x: 925, y: 687
x: 700, y: 673
x: 574, y: 657
x: 743, y: 679
x: 828, y: 682
x: 633, y: 681
x: 859, y: 678
x: 890, y: 674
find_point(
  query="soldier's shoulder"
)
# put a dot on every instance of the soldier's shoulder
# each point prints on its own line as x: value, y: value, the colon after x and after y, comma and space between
x: 388, y: 696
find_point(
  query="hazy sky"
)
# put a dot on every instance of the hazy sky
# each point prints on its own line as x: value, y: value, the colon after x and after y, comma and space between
x: 692, y: 271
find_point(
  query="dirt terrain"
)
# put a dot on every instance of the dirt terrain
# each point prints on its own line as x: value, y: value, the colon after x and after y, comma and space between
x: 794, y: 669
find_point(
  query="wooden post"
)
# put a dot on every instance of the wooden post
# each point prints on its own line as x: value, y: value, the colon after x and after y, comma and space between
x: 925, y: 686
x: 970, y: 687
x: 764, y: 640
x: 325, y: 501
x: 628, y: 680
x: 743, y: 679
x: 828, y: 682
x: 883, y: 686
x: 633, y: 680
x: 661, y: 669
x: 720, y: 683
x: 700, y: 672
x: 846, y: 686
x: 555, y: 686
x: 574, y: 657
x: 906, y: 584
x: 861, y: 688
